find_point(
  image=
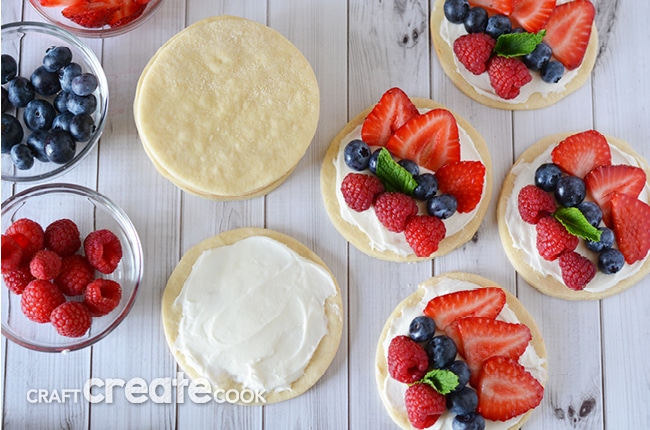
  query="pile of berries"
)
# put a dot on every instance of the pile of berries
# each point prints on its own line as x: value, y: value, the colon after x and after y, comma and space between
x: 99, y: 13
x: 56, y: 282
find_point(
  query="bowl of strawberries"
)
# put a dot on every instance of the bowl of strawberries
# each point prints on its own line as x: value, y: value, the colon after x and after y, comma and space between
x: 71, y: 267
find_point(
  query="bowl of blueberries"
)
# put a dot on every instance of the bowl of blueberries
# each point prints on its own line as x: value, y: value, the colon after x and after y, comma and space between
x: 54, y: 101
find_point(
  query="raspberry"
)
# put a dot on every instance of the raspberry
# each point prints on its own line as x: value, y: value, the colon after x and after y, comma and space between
x: 17, y: 279
x: 407, y: 360
x: 507, y: 75
x: 62, y: 237
x: 102, y: 296
x: 577, y: 270
x: 393, y: 209
x: 75, y: 274
x: 103, y: 250
x: 359, y: 190
x: 29, y: 235
x: 534, y: 204
x: 553, y: 239
x: 474, y: 50
x: 39, y: 299
x: 424, y: 405
x: 71, y: 319
x: 424, y: 233
x: 45, y: 265
x: 12, y: 254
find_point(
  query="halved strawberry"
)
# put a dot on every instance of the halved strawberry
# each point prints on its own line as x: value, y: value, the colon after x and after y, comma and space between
x: 129, y: 10
x: 631, y: 225
x: 90, y: 14
x: 392, y: 111
x: 582, y: 152
x: 532, y: 15
x: 506, y: 389
x: 494, y: 6
x: 463, y: 180
x: 484, y: 302
x: 568, y: 31
x: 603, y: 181
x: 57, y: 3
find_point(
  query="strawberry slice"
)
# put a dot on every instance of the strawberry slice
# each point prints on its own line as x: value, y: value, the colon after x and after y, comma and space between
x: 90, y: 14
x: 59, y: 3
x: 494, y: 6
x: 568, y: 31
x: 506, y: 389
x: 463, y: 180
x: 532, y: 15
x: 631, y: 225
x: 484, y: 302
x: 129, y: 10
x: 603, y: 181
x: 582, y: 152
x: 393, y: 111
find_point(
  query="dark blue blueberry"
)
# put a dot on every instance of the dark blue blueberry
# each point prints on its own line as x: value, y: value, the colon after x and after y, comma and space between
x: 410, y: 166
x: 84, y: 84
x: 67, y: 74
x: 441, y: 351
x: 427, y: 186
x: 463, y: 401
x: 422, y: 328
x: 81, y: 104
x: 606, y: 240
x: 60, y: 146
x: 5, y: 99
x: 45, y: 83
x: 592, y: 212
x: 357, y: 154
x: 460, y: 369
x: 20, y: 91
x: 61, y: 101
x: 547, y: 176
x: 471, y: 421
x: 39, y: 115
x: 476, y: 20
x: 610, y: 261
x: 442, y: 206
x: 537, y: 59
x: 62, y: 121
x: 552, y: 72
x: 498, y: 25
x: 57, y: 57
x: 456, y: 10
x: 22, y: 157
x: 9, y: 68
x: 570, y: 191
x: 36, y: 142
x: 82, y: 127
x: 372, y: 162
x: 12, y: 132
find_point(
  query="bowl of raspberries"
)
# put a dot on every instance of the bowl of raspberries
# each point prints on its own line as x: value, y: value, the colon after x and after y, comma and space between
x: 71, y: 267
x: 54, y: 101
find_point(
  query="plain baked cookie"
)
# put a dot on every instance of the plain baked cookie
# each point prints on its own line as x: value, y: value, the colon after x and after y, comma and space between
x: 447, y: 60
x: 357, y: 237
x: 548, y: 284
x: 324, y: 353
x: 381, y: 369
x: 227, y: 108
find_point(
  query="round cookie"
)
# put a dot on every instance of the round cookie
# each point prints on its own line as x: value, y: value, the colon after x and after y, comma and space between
x: 228, y: 122
x: 549, y: 284
x: 536, y: 100
x: 356, y: 236
x: 381, y: 367
x: 324, y: 352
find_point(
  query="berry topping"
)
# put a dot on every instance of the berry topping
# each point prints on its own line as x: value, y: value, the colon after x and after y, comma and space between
x: 424, y: 405
x: 359, y: 190
x: 441, y: 351
x: 552, y: 72
x: 102, y: 296
x: 427, y: 186
x: 12, y: 254
x: 91, y: 14
x: 570, y: 191
x: 534, y: 204
x: 631, y: 225
x: 409, y: 166
x: 606, y: 240
x: 393, y: 111
x: 460, y: 369
x: 610, y: 261
x: 393, y: 209
x: 494, y: 6
x: 577, y: 270
x: 424, y: 233
x: 463, y: 180
x: 39, y: 299
x: 471, y: 421
x: 484, y: 302
x: 539, y: 57
x: 474, y: 51
x: 532, y: 15
x: 456, y: 10
x: 580, y: 153
x: 442, y: 206
x: 476, y: 20
x: 29, y: 235
x: 45, y: 265
x: 71, y: 319
x: 568, y: 31
x: 498, y: 25
x: 75, y: 274
x: 422, y: 328
x: 62, y: 236
x: 17, y: 279
x: 553, y: 238
x: 462, y: 402
x: 407, y: 361
x: 507, y: 76
x: 129, y: 10
x: 103, y: 250
x: 357, y: 154
x: 591, y: 211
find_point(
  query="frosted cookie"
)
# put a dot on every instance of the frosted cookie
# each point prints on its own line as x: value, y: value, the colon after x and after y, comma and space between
x: 227, y: 108
x: 475, y: 342
x: 253, y: 309
x: 573, y: 216
x: 558, y: 66
x: 417, y: 182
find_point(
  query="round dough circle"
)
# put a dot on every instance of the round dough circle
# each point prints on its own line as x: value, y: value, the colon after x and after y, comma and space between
x: 324, y: 353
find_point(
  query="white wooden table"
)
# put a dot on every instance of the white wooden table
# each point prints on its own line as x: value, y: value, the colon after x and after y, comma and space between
x: 598, y: 350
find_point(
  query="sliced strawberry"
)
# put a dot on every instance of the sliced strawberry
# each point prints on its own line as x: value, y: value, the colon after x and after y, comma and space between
x: 494, y: 6
x: 59, y: 3
x: 568, y: 31
x: 603, y: 181
x: 582, y: 152
x: 463, y: 180
x: 393, y: 111
x: 452, y: 331
x: 91, y: 14
x: 506, y: 390
x: 483, y: 302
x: 631, y: 225
x: 142, y: 1
x: 532, y: 15
x: 130, y: 10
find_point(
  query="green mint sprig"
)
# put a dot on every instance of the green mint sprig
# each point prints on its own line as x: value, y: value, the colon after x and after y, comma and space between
x: 393, y: 176
x: 576, y: 223
x: 442, y: 380
x: 517, y: 44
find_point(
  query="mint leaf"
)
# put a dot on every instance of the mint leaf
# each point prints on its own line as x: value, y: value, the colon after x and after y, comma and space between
x: 517, y: 44
x: 392, y: 175
x: 576, y: 223
x: 443, y: 381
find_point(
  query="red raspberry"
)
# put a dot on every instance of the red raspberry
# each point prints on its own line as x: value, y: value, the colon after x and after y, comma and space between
x: 534, y: 204
x: 577, y: 270
x: 103, y: 250
x: 424, y: 405
x: 359, y: 190
x: 62, y: 237
x: 553, y: 238
x: 39, y: 299
x: 424, y: 233
x: 507, y: 75
x: 393, y: 209
x: 45, y: 264
x: 407, y: 361
x: 474, y: 50
x: 102, y: 296
x: 75, y: 274
x: 71, y: 319
x: 17, y: 280
x: 29, y: 235
x: 12, y: 254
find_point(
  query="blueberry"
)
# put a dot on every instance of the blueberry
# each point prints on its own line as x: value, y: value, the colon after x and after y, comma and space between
x: 20, y: 91
x: 61, y: 101
x: 62, y: 121
x: 22, y: 157
x: 81, y: 104
x: 427, y: 186
x: 12, y: 132
x: 36, y: 142
x: 476, y: 20
x: 547, y: 176
x: 85, y: 84
x: 5, y: 99
x: 9, y: 68
x: 498, y: 25
x: 570, y: 191
x: 592, y: 212
x: 441, y: 351
x: 45, y: 83
x: 57, y: 57
x: 456, y: 10
x: 60, y: 146
x: 471, y: 421
x: 460, y: 369
x: 463, y: 401
x: 442, y: 206
x: 610, y: 261
x: 39, y: 115
x: 537, y: 59
x: 357, y: 154
x: 82, y: 127
x: 410, y: 166
x: 552, y: 72
x: 422, y: 328
x: 606, y: 240
x: 67, y: 74
x: 372, y: 161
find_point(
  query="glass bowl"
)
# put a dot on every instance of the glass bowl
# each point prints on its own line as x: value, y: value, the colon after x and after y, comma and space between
x: 55, y: 16
x: 27, y: 43
x: 90, y: 211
